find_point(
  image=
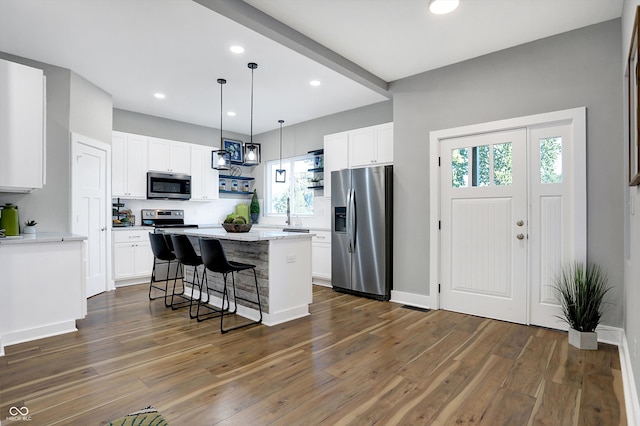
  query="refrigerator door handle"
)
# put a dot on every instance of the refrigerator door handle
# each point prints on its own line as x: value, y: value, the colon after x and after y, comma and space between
x: 351, y: 220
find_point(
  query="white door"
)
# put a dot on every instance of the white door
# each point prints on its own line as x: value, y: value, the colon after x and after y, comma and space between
x: 503, y: 242
x: 89, y: 210
x: 484, y: 225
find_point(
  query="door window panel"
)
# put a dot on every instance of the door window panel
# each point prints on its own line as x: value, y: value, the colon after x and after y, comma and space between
x: 459, y: 167
x: 551, y: 160
x: 482, y: 166
x: 502, y: 164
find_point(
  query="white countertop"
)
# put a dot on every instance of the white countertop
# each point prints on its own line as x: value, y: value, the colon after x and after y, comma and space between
x: 42, y: 237
x: 253, y: 235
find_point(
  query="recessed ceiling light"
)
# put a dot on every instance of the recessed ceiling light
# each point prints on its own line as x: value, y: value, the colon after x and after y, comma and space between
x: 159, y: 95
x: 237, y: 49
x: 314, y: 83
x: 440, y: 7
x: 231, y: 114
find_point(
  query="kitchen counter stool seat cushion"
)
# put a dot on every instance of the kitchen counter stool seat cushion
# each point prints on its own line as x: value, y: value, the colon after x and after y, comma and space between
x: 186, y: 254
x: 215, y: 260
x: 161, y: 254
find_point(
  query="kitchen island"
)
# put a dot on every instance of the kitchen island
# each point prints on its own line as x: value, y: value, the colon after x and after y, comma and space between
x: 42, y: 286
x: 283, y: 269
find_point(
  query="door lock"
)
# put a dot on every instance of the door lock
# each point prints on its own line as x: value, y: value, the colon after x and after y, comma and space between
x: 520, y: 223
x: 520, y: 236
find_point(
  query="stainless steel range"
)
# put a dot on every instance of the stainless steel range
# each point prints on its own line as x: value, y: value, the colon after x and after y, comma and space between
x: 164, y: 219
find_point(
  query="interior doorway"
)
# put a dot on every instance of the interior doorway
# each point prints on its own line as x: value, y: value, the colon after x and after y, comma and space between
x: 511, y: 211
x: 90, y: 177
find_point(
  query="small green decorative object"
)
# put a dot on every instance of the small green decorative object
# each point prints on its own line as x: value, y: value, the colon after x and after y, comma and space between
x: 254, y: 207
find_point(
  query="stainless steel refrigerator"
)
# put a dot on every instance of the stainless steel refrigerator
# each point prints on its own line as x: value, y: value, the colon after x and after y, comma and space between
x: 362, y: 231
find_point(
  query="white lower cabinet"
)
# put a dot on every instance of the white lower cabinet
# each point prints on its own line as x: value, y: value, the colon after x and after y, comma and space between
x: 132, y: 256
x: 321, y: 257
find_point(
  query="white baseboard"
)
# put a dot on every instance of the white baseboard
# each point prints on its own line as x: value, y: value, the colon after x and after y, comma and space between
x: 628, y: 381
x: 416, y: 300
x: 41, y: 332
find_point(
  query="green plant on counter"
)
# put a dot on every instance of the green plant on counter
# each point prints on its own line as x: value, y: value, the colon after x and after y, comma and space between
x: 255, y: 205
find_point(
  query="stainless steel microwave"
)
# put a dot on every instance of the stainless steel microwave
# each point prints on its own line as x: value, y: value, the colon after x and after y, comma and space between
x: 168, y: 186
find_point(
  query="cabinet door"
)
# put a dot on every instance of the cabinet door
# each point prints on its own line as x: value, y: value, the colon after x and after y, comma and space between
x: 158, y: 155
x: 118, y: 164
x: 22, y: 160
x: 143, y: 259
x: 362, y: 147
x: 321, y: 255
x: 384, y: 143
x: 179, y: 158
x: 123, y: 261
x: 204, y: 179
x: 336, y: 154
x: 137, y: 166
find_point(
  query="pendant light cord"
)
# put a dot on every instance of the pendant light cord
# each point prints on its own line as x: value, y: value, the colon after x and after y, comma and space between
x: 252, y: 66
x: 280, y: 121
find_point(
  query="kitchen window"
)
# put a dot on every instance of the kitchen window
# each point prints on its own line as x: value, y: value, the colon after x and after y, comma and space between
x: 296, y: 187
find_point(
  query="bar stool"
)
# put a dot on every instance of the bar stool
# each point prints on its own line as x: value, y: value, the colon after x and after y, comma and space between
x: 215, y: 260
x: 163, y: 250
x: 187, y: 256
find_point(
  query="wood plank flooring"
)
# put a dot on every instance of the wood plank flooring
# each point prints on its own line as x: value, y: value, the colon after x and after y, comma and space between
x: 353, y: 361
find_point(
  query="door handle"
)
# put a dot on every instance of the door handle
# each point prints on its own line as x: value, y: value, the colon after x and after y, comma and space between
x: 520, y: 236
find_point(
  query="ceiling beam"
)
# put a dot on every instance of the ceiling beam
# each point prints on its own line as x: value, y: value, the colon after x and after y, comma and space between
x: 256, y: 20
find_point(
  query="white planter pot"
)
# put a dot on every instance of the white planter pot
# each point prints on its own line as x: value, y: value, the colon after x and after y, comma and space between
x: 29, y: 230
x: 583, y: 340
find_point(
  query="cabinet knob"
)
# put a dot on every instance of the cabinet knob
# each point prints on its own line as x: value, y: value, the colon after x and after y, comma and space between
x: 520, y: 236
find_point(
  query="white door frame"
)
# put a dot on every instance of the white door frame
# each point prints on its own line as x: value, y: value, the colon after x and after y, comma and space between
x: 76, y: 140
x: 576, y: 116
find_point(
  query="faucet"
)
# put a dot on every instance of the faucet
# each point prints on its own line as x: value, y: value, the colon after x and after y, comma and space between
x: 288, y: 211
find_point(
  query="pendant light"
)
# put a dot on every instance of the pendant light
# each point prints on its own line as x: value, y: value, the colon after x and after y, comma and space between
x: 251, y: 150
x: 221, y: 159
x: 281, y: 174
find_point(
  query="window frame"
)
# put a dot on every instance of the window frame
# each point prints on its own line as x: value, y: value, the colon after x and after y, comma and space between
x: 290, y: 175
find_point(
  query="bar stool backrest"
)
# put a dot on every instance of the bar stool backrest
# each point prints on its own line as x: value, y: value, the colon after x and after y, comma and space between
x: 184, y: 250
x: 213, y: 256
x: 160, y: 248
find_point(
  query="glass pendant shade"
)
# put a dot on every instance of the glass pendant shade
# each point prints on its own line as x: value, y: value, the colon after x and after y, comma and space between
x: 251, y: 154
x: 220, y: 159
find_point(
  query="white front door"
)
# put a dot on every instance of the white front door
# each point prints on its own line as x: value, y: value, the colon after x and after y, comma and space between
x: 484, y: 225
x: 512, y: 212
x: 89, y: 210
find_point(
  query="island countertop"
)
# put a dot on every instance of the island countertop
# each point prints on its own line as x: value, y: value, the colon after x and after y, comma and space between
x: 253, y: 235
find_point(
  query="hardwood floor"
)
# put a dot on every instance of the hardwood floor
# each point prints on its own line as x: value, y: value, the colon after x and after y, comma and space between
x: 353, y: 361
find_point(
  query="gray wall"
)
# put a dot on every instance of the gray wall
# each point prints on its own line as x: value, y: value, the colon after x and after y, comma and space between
x: 579, y: 68
x: 91, y: 110
x: 149, y: 125
x: 73, y: 104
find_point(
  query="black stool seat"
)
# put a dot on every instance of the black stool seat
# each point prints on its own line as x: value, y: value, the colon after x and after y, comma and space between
x: 215, y: 260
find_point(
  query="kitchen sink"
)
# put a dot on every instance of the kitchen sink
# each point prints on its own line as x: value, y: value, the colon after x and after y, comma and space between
x: 302, y: 230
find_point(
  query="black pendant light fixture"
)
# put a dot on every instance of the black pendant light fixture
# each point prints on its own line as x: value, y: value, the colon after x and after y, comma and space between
x: 281, y: 174
x: 251, y: 150
x: 221, y: 159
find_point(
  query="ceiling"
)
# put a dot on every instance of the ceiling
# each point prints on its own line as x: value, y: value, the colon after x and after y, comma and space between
x: 134, y: 48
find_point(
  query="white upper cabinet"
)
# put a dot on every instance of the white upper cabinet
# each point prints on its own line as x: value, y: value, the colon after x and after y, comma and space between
x: 22, y: 129
x: 336, y: 153
x: 204, y: 179
x: 368, y: 146
x: 371, y: 146
x: 169, y: 156
x: 129, y: 165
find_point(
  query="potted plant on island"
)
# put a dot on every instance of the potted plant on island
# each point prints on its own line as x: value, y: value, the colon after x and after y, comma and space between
x: 254, y: 207
x: 29, y: 227
x: 581, y: 291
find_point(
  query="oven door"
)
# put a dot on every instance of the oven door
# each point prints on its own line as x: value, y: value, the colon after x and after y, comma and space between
x: 168, y: 186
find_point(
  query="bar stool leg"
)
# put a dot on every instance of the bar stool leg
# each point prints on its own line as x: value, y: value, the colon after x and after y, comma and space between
x: 235, y: 302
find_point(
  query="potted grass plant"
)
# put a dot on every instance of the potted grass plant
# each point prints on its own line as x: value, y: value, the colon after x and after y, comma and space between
x: 254, y: 207
x: 581, y: 291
